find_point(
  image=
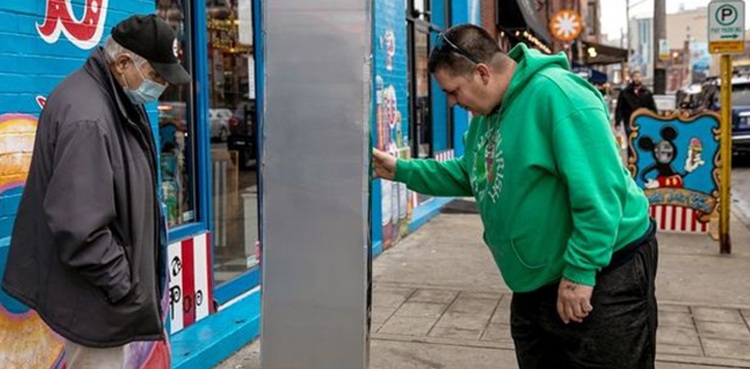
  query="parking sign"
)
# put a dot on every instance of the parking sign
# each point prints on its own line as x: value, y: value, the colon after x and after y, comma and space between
x: 726, y: 27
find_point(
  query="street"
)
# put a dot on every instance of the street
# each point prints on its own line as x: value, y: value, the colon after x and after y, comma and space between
x: 741, y: 190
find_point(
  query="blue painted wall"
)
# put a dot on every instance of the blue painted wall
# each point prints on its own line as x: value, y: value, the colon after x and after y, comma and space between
x: 461, y: 13
x: 389, y: 15
x: 390, y: 73
x: 31, y: 67
x: 440, y: 110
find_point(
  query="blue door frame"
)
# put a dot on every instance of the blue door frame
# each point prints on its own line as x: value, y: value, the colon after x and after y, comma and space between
x: 249, y: 280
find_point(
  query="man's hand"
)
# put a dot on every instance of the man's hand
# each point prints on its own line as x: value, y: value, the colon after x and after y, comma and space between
x: 573, y: 301
x: 385, y: 165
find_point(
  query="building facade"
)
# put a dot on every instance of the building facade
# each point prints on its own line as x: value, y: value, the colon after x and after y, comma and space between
x: 687, y: 40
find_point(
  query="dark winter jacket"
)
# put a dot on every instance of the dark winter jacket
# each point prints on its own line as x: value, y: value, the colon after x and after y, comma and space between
x: 84, y: 251
x: 631, y: 99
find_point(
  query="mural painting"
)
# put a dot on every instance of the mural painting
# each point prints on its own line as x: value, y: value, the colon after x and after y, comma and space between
x: 392, y: 129
x: 396, y: 207
x: 25, y: 341
x: 675, y: 159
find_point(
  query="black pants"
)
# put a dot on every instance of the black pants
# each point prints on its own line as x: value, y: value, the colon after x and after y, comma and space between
x: 620, y: 333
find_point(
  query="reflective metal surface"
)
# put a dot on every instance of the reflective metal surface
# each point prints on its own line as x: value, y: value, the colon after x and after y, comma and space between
x: 315, y: 176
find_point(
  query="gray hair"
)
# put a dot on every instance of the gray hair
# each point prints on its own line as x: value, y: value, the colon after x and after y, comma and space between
x: 112, y: 50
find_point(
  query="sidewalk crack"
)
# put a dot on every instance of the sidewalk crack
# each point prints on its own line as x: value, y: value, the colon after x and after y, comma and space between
x: 489, y: 321
x: 386, y: 320
x: 442, y: 313
x: 745, y: 318
x: 697, y: 332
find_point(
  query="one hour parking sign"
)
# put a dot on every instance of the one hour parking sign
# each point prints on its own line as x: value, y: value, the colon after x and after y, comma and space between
x: 726, y: 27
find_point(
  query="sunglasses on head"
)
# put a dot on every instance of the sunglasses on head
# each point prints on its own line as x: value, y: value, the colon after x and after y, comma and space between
x: 443, y: 42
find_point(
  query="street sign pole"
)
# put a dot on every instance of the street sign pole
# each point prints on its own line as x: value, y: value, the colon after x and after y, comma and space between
x: 726, y: 36
x: 726, y: 27
x: 725, y: 244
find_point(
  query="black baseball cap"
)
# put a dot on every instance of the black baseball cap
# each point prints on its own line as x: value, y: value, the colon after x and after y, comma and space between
x: 154, y: 40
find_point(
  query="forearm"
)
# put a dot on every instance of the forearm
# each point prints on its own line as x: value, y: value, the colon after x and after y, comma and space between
x: 431, y: 177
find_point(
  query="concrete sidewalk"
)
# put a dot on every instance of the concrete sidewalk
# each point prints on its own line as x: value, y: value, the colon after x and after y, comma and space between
x: 439, y: 302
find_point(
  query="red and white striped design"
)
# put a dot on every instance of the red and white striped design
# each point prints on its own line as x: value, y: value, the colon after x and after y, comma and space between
x: 680, y: 219
x: 414, y: 198
x: 190, y: 284
x: 444, y: 155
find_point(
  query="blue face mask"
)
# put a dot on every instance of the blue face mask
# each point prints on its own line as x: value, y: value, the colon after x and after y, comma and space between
x: 147, y: 92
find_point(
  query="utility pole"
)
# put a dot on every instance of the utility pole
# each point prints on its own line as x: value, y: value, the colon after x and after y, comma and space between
x: 623, y: 65
x: 660, y: 33
x: 626, y: 70
x: 687, y: 62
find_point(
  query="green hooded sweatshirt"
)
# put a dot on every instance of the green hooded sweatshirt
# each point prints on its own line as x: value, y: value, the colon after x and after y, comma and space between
x: 552, y: 192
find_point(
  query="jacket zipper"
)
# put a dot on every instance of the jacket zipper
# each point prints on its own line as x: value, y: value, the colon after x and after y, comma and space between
x: 143, y: 142
x: 110, y: 86
x: 149, y: 142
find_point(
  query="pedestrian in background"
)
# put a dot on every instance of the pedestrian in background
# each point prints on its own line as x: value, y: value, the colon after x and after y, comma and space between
x: 632, y: 98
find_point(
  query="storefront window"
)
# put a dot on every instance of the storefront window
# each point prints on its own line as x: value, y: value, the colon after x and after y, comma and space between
x: 232, y: 117
x: 177, y: 125
x: 422, y: 103
x: 422, y: 9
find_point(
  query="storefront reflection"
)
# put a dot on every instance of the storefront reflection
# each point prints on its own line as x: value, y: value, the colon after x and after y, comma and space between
x: 232, y: 117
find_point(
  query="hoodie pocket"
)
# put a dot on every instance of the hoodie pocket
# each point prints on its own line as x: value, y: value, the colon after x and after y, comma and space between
x: 526, y: 258
x: 522, y: 264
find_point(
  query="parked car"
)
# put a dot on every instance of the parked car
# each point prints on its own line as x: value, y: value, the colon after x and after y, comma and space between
x: 172, y: 123
x: 710, y: 99
x: 219, y: 120
x: 687, y: 98
x: 741, y: 115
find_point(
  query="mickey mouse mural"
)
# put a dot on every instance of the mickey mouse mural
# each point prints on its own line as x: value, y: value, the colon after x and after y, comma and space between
x: 675, y: 160
x: 664, y: 153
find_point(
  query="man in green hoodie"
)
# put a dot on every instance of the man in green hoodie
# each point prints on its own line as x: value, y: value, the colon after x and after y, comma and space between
x: 566, y: 224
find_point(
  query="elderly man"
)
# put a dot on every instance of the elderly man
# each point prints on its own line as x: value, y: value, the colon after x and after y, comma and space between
x: 85, y: 249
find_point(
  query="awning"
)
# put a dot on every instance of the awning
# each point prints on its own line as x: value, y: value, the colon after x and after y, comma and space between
x: 598, y: 78
x: 594, y: 76
x: 522, y: 14
x: 598, y: 54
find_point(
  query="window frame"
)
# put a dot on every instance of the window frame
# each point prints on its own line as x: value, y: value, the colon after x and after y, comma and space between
x: 250, y: 279
x: 450, y: 125
x: 419, y: 26
x: 431, y: 27
x: 199, y: 129
x: 197, y: 18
